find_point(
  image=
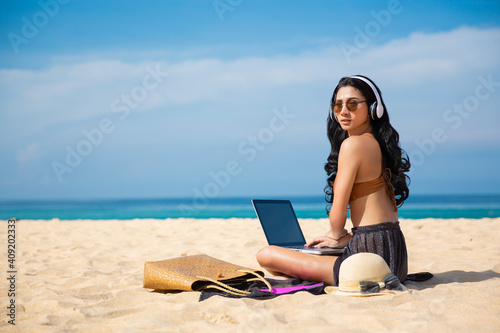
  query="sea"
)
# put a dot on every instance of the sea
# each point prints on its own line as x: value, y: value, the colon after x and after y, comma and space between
x: 416, y: 207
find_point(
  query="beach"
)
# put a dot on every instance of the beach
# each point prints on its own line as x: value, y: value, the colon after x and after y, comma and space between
x: 86, y: 275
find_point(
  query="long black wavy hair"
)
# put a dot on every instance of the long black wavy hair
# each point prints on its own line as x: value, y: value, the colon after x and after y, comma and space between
x: 394, y: 157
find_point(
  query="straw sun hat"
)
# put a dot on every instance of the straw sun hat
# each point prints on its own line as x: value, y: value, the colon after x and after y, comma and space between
x: 365, y: 274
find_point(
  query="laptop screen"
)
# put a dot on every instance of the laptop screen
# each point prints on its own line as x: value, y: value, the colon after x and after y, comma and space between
x: 279, y: 222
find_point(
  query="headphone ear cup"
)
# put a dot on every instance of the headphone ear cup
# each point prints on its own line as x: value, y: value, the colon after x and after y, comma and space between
x: 333, y: 116
x: 373, y: 110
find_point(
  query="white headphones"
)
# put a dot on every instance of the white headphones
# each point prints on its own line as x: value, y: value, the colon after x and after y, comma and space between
x: 376, y: 109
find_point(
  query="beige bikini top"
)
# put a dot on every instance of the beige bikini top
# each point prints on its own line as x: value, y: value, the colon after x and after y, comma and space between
x: 371, y: 186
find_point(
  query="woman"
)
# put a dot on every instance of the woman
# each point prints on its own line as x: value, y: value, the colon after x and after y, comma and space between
x: 366, y: 169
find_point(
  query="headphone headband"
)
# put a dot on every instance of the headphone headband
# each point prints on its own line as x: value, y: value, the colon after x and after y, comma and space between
x: 380, y: 107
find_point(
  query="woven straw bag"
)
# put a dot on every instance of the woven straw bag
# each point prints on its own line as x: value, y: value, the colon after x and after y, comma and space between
x: 198, y: 272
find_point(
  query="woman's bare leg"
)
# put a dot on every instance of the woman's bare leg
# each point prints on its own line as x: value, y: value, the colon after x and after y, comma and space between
x: 281, y: 261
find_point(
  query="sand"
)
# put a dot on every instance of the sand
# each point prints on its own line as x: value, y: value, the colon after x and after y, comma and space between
x: 81, y: 276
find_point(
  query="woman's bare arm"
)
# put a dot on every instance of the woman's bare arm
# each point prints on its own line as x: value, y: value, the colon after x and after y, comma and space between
x: 348, y: 165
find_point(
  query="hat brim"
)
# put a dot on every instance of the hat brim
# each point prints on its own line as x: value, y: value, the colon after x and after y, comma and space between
x: 335, y: 291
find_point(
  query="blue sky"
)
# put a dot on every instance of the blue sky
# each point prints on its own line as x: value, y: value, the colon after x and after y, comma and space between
x: 230, y: 98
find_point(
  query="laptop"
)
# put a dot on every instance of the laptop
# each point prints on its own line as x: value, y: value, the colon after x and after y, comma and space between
x: 282, y: 228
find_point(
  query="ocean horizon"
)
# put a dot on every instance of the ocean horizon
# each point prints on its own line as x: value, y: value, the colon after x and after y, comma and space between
x: 417, y: 206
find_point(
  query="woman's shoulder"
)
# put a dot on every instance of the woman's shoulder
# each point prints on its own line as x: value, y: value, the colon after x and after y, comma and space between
x: 359, y: 144
x: 362, y: 153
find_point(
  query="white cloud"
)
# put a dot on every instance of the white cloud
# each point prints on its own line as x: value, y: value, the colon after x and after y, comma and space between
x: 211, y: 105
x: 436, y: 69
x: 440, y: 55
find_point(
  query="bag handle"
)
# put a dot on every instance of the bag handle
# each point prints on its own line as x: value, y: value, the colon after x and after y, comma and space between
x: 233, y: 291
x: 258, y: 277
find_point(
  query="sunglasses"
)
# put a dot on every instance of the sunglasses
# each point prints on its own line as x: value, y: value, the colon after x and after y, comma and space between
x: 352, y: 105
